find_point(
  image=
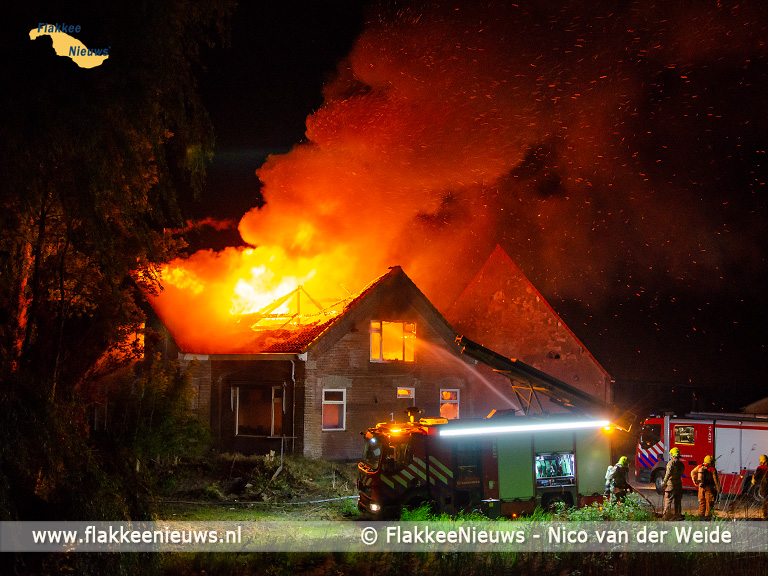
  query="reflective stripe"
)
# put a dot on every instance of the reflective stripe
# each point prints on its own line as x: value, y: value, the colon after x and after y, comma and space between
x: 439, y: 464
x: 434, y: 473
x: 418, y: 467
x: 388, y: 482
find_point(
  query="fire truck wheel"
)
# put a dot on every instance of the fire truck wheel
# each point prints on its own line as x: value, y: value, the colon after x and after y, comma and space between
x: 658, y: 480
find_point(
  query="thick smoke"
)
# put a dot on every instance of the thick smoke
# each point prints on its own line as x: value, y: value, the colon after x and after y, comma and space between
x: 611, y: 148
x: 581, y: 138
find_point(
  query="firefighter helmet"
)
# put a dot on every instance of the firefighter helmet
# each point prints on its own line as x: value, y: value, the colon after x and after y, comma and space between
x: 623, y: 461
x: 763, y: 460
x: 674, y: 452
x: 707, y: 459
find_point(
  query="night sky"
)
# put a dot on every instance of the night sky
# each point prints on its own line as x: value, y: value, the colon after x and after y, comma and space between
x: 616, y: 151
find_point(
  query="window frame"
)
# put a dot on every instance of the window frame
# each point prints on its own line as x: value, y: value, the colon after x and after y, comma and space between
x: 681, y: 432
x: 377, y: 327
x: 411, y: 396
x: 458, y: 398
x: 342, y: 403
x: 236, y: 409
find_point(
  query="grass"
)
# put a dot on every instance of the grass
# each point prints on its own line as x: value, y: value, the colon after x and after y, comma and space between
x: 303, y: 480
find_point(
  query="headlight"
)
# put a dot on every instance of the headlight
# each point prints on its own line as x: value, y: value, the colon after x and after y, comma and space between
x: 375, y: 507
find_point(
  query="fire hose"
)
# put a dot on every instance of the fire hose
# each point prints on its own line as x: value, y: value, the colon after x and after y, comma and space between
x: 644, y: 498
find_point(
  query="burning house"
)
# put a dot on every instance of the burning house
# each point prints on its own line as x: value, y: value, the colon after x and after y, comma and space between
x: 305, y: 377
x: 311, y: 385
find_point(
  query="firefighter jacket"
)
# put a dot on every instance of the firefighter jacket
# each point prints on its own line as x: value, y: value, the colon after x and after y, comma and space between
x: 673, y: 479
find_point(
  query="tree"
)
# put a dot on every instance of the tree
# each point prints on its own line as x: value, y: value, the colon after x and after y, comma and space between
x: 96, y: 166
x: 96, y: 162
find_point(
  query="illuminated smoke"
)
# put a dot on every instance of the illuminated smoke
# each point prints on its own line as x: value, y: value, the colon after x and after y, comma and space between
x: 581, y: 138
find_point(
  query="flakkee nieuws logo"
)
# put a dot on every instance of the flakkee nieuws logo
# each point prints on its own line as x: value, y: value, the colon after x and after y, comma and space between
x: 68, y: 46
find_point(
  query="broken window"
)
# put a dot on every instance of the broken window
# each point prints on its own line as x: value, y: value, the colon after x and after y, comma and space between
x: 449, y: 404
x: 258, y: 410
x: 393, y: 341
x: 405, y: 393
x: 334, y: 409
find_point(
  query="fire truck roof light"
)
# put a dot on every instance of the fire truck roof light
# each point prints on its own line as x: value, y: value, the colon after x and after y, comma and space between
x: 543, y: 427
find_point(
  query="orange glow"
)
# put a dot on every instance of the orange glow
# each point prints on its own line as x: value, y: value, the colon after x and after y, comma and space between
x: 221, y: 302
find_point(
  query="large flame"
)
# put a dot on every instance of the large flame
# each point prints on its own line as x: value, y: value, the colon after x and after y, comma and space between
x: 449, y: 130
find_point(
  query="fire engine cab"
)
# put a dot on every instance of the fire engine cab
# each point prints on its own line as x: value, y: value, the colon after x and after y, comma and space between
x: 735, y: 440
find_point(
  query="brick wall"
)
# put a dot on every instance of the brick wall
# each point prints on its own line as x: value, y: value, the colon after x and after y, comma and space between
x: 371, y: 386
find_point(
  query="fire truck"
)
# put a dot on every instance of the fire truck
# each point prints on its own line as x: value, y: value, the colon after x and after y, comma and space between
x: 735, y: 440
x: 507, y: 464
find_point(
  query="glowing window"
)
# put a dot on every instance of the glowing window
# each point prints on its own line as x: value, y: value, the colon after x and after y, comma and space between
x: 334, y: 409
x: 449, y: 404
x: 392, y: 341
x: 405, y: 393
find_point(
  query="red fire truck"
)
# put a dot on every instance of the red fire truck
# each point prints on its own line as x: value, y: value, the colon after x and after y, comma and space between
x: 735, y: 440
x: 506, y: 465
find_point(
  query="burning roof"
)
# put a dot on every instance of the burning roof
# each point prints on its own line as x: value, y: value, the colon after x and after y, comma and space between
x: 265, y: 332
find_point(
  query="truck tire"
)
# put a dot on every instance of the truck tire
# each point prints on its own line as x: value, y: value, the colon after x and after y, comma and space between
x: 657, y: 478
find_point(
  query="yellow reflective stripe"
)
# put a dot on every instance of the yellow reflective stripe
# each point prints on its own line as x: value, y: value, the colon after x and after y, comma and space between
x: 439, y: 464
x: 388, y: 482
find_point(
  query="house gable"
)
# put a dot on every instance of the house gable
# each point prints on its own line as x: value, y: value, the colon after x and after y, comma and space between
x: 503, y: 311
x: 340, y: 362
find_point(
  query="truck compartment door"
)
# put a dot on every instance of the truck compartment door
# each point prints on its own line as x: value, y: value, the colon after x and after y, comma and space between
x: 515, y: 457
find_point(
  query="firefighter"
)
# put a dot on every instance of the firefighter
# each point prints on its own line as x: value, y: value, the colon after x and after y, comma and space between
x: 760, y: 483
x: 619, y: 485
x: 705, y: 478
x: 608, y: 476
x: 673, y: 487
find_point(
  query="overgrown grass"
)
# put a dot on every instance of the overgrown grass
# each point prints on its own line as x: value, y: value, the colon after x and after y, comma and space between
x: 632, y: 508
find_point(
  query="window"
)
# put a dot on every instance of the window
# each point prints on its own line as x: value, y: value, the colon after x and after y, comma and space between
x: 334, y: 409
x: 258, y: 410
x: 683, y: 434
x: 405, y: 393
x: 650, y: 435
x: 449, y: 404
x: 393, y: 341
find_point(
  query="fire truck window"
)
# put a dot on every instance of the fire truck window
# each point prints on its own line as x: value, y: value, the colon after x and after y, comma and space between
x: 334, y: 409
x: 449, y: 404
x: 393, y: 341
x: 683, y: 434
x: 372, y: 451
x: 650, y: 435
x: 403, y: 455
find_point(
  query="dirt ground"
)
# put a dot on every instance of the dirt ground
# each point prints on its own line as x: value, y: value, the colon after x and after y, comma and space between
x: 233, y: 487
